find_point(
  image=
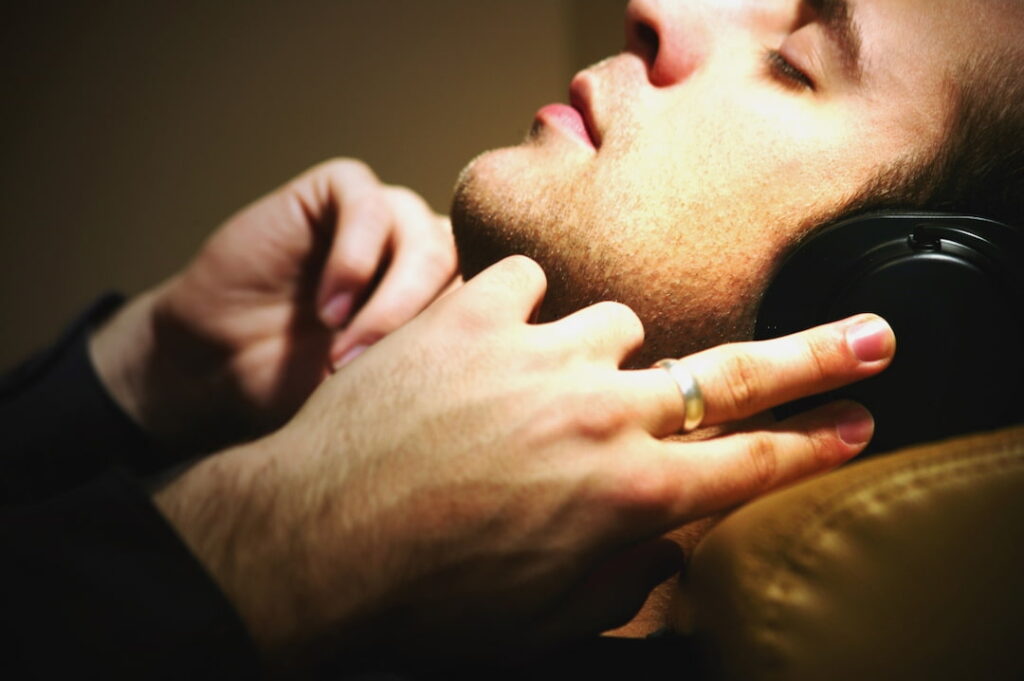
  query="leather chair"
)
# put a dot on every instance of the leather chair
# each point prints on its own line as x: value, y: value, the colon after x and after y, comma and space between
x: 903, y: 566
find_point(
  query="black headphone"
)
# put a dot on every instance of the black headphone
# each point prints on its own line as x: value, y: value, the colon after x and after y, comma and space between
x: 951, y: 286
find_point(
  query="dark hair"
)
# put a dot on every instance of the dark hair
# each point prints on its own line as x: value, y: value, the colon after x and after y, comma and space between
x: 979, y: 168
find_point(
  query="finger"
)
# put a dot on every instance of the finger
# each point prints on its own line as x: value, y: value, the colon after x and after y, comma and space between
x: 604, y: 331
x: 718, y: 474
x: 508, y: 290
x: 740, y: 380
x: 418, y: 272
x: 652, y: 399
x: 743, y: 379
x: 361, y: 231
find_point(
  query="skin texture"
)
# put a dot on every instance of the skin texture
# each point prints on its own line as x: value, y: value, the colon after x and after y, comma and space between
x: 408, y: 495
x: 709, y: 166
x: 302, y: 280
x: 501, y: 516
x: 415, y: 502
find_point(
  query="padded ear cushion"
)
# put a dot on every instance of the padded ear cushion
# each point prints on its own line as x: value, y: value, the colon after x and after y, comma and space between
x: 951, y: 286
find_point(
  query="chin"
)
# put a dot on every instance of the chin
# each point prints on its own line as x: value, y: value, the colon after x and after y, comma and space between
x: 595, y: 244
x: 469, y: 216
x: 499, y: 208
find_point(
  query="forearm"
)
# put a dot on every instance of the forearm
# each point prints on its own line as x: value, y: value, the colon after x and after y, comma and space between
x: 210, y: 506
x: 244, y: 516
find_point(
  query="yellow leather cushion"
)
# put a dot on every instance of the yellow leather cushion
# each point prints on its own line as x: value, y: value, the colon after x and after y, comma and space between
x: 907, y: 566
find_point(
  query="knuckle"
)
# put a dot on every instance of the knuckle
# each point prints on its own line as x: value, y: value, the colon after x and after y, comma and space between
x: 347, y: 169
x: 823, y: 448
x: 762, y: 460
x: 367, y: 207
x: 743, y: 381
x: 407, y: 197
x: 597, y: 416
x: 821, y: 354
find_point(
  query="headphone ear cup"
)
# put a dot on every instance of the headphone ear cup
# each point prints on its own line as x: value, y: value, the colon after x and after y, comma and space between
x: 948, y: 287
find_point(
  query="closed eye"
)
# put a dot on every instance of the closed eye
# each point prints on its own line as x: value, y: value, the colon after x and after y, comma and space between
x: 782, y: 71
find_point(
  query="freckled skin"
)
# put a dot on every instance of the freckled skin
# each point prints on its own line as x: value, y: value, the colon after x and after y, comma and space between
x: 705, y: 176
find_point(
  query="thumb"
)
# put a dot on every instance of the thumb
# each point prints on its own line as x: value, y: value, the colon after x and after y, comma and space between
x: 510, y: 289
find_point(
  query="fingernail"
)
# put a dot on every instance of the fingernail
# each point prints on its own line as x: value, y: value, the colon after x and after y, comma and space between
x: 871, y: 340
x: 354, y: 352
x: 336, y: 310
x: 855, y: 425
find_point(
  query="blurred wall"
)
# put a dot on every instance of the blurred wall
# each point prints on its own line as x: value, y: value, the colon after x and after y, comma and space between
x: 129, y: 130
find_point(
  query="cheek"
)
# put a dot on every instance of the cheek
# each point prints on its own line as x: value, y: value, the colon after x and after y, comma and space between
x: 730, y: 191
x: 699, y: 226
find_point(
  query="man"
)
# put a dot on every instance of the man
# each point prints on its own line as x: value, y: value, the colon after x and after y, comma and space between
x: 677, y: 199
x: 728, y: 131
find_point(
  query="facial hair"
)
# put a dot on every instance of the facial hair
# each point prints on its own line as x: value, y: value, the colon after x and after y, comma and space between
x: 684, y: 306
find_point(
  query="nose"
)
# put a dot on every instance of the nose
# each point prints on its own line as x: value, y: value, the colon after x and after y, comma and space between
x: 672, y: 40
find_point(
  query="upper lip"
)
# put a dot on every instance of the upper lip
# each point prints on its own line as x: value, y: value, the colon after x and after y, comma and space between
x: 579, y: 98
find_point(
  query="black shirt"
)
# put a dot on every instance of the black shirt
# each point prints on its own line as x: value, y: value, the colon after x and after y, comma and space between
x: 93, y: 580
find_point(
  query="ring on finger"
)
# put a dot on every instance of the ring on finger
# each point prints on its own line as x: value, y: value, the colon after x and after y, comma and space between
x: 689, y: 389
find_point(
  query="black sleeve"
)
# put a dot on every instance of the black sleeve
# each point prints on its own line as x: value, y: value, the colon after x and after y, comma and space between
x: 59, y: 425
x: 93, y: 580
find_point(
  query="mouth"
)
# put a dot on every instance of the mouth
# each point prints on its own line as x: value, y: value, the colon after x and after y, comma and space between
x: 575, y: 118
x: 579, y: 99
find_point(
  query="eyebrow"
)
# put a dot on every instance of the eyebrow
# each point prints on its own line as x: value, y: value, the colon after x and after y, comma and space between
x: 837, y: 18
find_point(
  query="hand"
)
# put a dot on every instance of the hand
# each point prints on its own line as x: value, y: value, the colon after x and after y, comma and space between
x: 476, y: 483
x: 304, y: 278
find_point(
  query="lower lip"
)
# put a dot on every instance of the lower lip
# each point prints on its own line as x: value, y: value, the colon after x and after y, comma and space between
x: 568, y: 119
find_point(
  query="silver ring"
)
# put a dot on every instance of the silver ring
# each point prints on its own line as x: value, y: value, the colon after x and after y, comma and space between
x: 693, y: 399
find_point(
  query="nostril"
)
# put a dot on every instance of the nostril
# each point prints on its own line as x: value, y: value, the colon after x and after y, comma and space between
x: 647, y: 42
x: 671, y: 38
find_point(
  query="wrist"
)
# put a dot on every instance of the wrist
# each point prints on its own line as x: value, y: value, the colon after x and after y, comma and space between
x: 239, y: 515
x: 120, y: 350
x: 204, y: 505
x: 162, y: 376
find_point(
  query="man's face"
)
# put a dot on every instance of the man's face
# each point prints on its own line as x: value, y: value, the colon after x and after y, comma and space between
x: 691, y: 162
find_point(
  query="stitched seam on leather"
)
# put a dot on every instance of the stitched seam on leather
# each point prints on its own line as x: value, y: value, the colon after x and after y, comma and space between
x: 777, y: 580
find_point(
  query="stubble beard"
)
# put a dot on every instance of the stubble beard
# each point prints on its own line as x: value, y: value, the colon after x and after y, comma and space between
x: 685, y: 307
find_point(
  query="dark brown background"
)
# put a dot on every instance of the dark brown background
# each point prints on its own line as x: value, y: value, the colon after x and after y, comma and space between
x: 131, y: 129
